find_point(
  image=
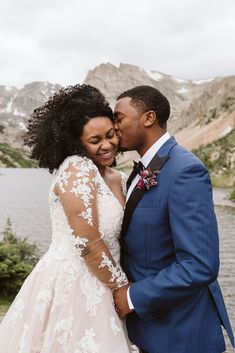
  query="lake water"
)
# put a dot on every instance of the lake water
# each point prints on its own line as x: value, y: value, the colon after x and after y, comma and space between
x: 24, y: 199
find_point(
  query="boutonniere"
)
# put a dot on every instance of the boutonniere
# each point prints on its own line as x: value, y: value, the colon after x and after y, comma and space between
x: 147, y: 179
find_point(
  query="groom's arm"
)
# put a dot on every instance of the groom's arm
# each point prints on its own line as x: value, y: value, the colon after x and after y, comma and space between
x: 195, y: 237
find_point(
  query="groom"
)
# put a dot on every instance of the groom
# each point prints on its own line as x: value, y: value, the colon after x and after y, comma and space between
x: 169, y: 238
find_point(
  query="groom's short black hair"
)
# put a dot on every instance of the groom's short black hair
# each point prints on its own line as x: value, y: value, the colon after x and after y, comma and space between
x: 148, y: 98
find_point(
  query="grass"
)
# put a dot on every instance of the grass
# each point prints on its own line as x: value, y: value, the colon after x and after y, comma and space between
x: 4, y: 306
x: 218, y: 158
x: 232, y: 195
x: 223, y: 180
x: 15, y: 158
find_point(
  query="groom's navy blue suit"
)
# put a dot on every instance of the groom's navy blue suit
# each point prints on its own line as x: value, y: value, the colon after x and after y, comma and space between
x: 170, y: 251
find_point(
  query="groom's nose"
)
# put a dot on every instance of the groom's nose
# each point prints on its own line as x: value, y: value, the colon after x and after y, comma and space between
x: 118, y: 134
x: 117, y: 129
x: 115, y: 126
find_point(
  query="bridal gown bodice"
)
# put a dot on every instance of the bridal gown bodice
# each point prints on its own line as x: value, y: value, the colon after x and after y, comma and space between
x: 110, y: 215
x: 62, y: 306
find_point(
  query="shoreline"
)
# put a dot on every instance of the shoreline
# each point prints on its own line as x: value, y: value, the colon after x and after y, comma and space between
x: 221, y: 197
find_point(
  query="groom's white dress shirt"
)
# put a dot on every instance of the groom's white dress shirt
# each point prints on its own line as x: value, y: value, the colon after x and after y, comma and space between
x: 145, y: 159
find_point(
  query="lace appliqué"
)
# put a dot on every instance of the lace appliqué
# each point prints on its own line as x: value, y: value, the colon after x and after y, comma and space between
x: 87, y: 344
x: 64, y: 330
x: 114, y: 326
x: 117, y: 274
x: 63, y: 181
x: 82, y: 186
x: 79, y: 243
x: 82, y: 189
x: 72, y: 271
x: 44, y: 299
x: 93, y: 291
x: 87, y: 215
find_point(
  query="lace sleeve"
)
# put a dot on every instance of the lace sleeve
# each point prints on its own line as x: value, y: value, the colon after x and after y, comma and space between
x: 78, y: 194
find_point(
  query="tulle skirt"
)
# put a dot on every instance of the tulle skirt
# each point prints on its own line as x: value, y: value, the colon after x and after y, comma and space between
x: 63, y: 308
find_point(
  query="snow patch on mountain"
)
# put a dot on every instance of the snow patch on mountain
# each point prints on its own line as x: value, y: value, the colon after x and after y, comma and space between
x: 182, y: 90
x: 157, y: 76
x: 180, y: 80
x: 9, y: 104
x: 199, y: 82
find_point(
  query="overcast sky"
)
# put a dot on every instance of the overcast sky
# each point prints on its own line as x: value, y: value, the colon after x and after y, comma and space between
x: 60, y: 40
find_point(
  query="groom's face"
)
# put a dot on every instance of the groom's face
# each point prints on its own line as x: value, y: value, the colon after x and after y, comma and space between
x: 128, y: 124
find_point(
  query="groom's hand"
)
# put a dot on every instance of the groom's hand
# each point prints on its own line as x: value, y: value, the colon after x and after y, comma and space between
x: 120, y: 301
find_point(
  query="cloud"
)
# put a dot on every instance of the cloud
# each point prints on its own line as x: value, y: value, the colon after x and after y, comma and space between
x: 60, y: 40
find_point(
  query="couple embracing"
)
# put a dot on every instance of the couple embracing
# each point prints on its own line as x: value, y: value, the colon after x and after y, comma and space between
x: 131, y: 261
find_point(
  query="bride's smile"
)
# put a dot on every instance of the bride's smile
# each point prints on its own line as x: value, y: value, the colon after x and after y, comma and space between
x: 100, y: 141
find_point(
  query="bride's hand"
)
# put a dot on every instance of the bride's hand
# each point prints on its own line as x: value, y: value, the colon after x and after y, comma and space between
x: 121, y: 302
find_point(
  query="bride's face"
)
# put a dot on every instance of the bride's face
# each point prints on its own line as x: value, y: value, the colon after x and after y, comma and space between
x: 100, y: 141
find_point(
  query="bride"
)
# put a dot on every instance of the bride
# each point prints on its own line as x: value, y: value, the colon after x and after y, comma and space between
x: 66, y: 303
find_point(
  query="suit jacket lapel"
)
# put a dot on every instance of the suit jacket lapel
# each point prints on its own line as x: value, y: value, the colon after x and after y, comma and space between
x: 129, y: 180
x: 155, y: 164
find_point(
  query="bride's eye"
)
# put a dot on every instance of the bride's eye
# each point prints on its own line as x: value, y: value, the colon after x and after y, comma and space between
x: 111, y: 134
x: 94, y: 141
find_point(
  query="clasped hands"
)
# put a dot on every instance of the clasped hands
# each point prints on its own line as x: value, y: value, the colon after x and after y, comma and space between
x: 121, y: 302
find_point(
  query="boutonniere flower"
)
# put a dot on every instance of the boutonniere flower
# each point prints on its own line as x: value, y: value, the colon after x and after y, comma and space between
x: 147, y: 179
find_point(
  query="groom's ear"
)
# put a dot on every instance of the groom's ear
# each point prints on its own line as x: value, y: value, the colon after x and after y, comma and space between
x: 150, y: 118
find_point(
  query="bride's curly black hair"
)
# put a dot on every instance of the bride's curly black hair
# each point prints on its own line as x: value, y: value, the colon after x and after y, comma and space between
x: 54, y: 129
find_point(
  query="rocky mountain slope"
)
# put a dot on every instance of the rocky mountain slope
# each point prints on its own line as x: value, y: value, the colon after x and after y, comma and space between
x: 15, y: 157
x: 192, y: 102
x: 16, y: 105
x: 202, y: 111
x: 219, y: 157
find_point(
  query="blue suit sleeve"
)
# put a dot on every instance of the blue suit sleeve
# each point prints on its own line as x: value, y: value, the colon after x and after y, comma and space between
x: 195, y: 238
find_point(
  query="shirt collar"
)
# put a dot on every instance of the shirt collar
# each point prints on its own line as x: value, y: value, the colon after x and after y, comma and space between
x: 148, y: 156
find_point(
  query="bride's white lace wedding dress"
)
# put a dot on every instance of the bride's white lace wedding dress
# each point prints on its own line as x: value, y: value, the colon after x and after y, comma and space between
x: 65, y: 305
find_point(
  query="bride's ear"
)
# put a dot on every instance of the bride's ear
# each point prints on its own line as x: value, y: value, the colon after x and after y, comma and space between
x: 150, y: 118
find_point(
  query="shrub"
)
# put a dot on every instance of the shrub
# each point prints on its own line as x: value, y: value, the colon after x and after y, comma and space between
x: 17, y: 259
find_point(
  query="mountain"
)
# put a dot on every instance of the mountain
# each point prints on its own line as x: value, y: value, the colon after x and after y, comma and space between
x: 202, y: 111
x: 192, y: 102
x: 112, y: 80
x: 22, y: 101
x: 16, y: 105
